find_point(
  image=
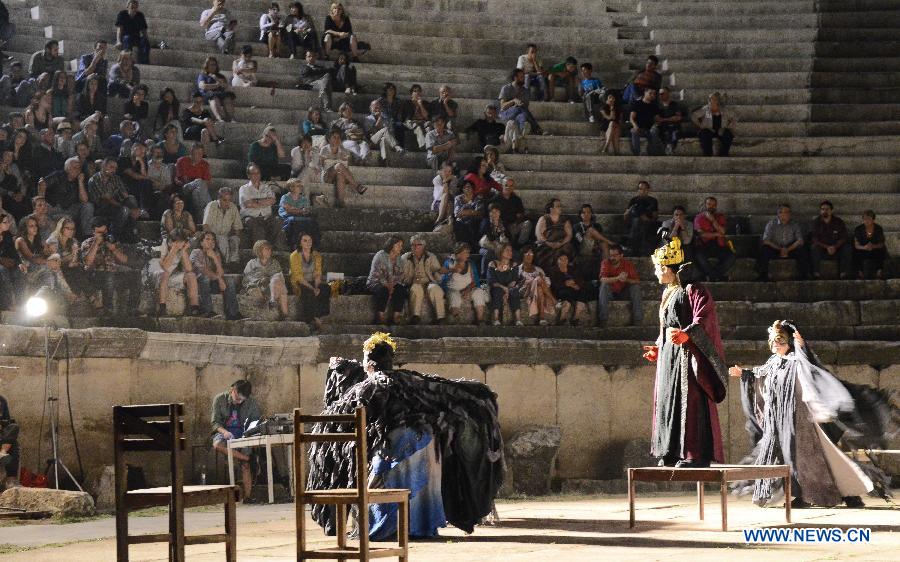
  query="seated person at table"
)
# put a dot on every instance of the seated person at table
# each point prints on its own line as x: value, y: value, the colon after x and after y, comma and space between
x: 231, y: 411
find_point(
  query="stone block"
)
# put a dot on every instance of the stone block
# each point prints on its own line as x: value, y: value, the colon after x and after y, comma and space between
x: 449, y: 370
x: 531, y: 456
x: 312, y: 387
x: 583, y: 412
x: 856, y: 374
x: 105, y: 489
x: 526, y: 395
x: 62, y: 503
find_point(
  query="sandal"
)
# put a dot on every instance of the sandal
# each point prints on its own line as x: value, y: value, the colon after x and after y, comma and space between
x: 360, y: 188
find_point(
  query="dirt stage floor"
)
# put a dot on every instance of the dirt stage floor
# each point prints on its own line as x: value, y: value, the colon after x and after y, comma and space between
x: 557, y: 529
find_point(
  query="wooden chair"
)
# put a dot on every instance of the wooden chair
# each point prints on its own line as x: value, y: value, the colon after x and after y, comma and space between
x: 361, y: 496
x: 160, y: 427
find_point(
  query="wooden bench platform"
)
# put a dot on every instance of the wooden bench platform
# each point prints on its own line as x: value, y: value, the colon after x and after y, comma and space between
x: 721, y: 473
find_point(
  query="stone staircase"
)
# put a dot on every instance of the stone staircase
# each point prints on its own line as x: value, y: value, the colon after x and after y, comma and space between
x: 804, y: 133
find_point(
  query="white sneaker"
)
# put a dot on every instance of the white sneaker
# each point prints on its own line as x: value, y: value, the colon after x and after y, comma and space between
x: 496, y: 322
x: 543, y: 322
x: 519, y: 323
x: 348, y: 91
x: 399, y: 149
x: 592, y: 119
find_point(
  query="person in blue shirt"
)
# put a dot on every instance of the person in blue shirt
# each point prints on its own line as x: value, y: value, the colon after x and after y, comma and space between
x: 94, y: 63
x: 591, y: 90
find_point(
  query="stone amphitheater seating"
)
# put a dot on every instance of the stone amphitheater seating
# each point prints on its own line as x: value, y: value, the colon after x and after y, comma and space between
x: 815, y: 84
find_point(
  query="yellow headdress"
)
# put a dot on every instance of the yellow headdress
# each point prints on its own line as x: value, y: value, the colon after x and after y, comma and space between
x: 379, y: 338
x: 670, y: 254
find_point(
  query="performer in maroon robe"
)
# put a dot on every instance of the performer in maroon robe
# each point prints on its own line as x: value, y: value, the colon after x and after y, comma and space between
x: 691, y: 375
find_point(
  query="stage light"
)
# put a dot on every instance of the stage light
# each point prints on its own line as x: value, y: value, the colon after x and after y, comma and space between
x: 36, y: 307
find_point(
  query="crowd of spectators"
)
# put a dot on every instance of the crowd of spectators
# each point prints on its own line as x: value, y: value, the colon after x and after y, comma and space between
x: 69, y: 173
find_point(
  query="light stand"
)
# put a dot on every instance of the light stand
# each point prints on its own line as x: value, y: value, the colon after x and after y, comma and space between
x: 36, y: 307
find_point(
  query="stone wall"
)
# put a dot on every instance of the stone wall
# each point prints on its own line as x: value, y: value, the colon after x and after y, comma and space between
x: 601, y: 397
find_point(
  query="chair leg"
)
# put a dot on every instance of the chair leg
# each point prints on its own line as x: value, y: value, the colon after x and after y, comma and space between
x: 230, y: 529
x: 300, y: 516
x: 403, y: 529
x: 364, y: 533
x: 341, y: 513
x: 121, y: 534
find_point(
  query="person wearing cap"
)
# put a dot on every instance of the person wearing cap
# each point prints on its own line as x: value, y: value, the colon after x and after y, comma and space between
x: 65, y: 145
x: 266, y: 152
x: 422, y: 273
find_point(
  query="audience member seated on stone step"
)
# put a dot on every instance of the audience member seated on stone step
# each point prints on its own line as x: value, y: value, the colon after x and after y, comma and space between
x: 710, y: 242
x: 338, y: 32
x: 713, y: 121
x: 512, y: 213
x: 32, y: 255
x: 219, y: 26
x: 45, y: 156
x: 422, y: 273
x: 642, y: 220
x: 492, y: 235
x: 385, y: 281
x: 503, y: 280
x: 295, y: 210
x: 113, y: 202
x: 444, y: 184
x: 535, y: 74
x: 830, y: 240
x: 514, y: 99
x: 416, y: 114
x: 89, y: 166
x: 91, y: 102
x: 131, y: 32
x: 88, y: 135
x: 619, y: 280
x: 23, y: 155
x: 308, y: 283
x: 669, y: 122
x: 445, y: 106
x: 62, y: 95
x: 60, y: 294
x: 65, y: 146
x: 222, y: 218
x: 168, y: 112
x: 496, y: 169
x: 210, y: 87
x: 591, y: 91
x: 869, y: 248
x: 197, y: 123
x: 193, y: 179
x: 554, y: 236
x: 243, y: 69
x: 256, y: 200
x: 106, y: 268
x: 463, y: 283
x: 266, y: 152
x: 222, y: 106
x: 682, y: 227
x: 535, y: 289
x: 175, y: 271
x: 63, y: 242
x: 13, y: 187
x: 11, y: 276
x: 300, y: 31
x: 647, y: 79
x: 468, y: 210
x: 478, y: 174
x: 120, y: 143
x: 314, y: 76
x: 270, y: 29
x: 782, y: 239
x: 16, y: 88
x: 123, y: 76
x: 379, y: 131
x: 591, y: 246
x: 163, y: 177
x: 314, y: 127
x: 206, y: 262
x: 344, y: 75
x: 172, y: 148
x: 41, y: 214
x: 94, y: 63
x: 305, y: 160
x: 335, y: 162
x: 133, y: 170
x: 354, y: 136
x: 567, y: 73
x: 66, y: 192
x: 392, y: 108
x: 263, y: 277
x: 570, y: 290
x: 643, y: 116
x: 176, y: 221
x: 44, y: 63
x: 440, y: 144
x: 488, y: 130
x: 39, y: 113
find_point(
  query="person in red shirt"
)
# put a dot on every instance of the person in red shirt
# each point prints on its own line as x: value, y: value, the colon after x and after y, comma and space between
x: 710, y: 242
x: 619, y: 281
x: 193, y: 177
x: 479, y: 175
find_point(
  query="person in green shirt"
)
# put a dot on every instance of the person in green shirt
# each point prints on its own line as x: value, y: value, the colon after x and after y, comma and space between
x: 266, y: 152
x: 567, y: 72
x: 231, y: 411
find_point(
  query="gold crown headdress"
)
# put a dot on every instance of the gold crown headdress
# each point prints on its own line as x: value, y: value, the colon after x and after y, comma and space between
x: 379, y: 338
x: 670, y: 254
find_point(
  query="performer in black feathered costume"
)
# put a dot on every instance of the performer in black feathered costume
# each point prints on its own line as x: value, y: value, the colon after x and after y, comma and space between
x: 440, y: 438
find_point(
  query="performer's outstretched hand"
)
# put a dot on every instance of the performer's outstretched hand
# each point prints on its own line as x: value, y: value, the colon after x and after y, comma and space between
x: 651, y: 352
x: 678, y: 337
x: 798, y: 339
x: 735, y: 371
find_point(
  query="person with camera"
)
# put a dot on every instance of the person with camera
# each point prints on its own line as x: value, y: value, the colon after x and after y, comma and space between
x: 106, y: 267
x: 9, y: 445
x: 219, y: 26
x: 231, y: 411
